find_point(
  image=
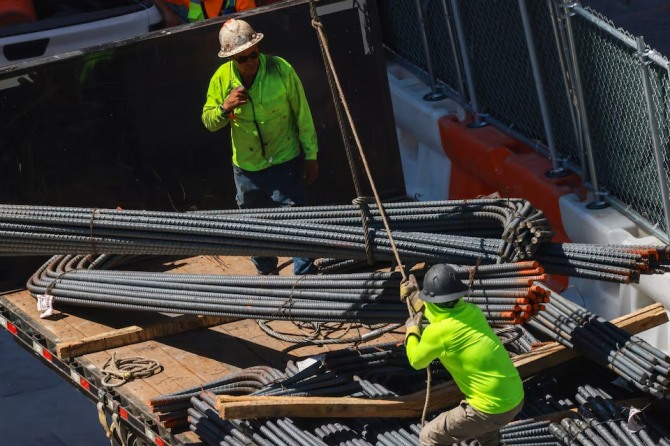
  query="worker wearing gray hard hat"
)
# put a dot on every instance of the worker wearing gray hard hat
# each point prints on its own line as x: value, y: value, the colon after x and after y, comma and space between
x: 273, y: 136
x: 460, y: 337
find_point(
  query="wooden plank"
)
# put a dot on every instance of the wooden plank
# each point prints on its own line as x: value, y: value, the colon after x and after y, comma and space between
x: 304, y: 406
x: 441, y: 396
x: 246, y: 407
x: 134, y: 334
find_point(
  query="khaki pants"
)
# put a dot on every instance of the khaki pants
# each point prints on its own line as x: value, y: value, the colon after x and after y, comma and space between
x: 463, y: 422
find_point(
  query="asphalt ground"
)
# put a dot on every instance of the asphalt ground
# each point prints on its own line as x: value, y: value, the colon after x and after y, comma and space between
x: 39, y: 407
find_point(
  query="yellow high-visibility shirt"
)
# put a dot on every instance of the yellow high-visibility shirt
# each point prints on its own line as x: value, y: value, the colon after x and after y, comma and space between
x: 277, y: 114
x: 472, y: 353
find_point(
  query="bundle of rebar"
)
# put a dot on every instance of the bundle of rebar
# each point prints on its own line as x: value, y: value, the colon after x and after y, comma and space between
x: 630, y: 357
x: 600, y: 421
x: 368, y: 372
x: 612, y: 263
x: 28, y: 230
x: 505, y: 293
x: 171, y: 409
x: 423, y: 232
x: 204, y: 421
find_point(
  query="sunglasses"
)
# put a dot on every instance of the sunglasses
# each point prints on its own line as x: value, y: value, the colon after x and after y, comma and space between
x: 244, y: 59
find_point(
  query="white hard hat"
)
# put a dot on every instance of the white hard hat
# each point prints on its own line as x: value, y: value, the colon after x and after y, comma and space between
x: 236, y: 36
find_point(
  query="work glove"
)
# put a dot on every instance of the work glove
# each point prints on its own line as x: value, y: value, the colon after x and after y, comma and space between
x: 408, y: 287
x: 413, y: 326
x: 409, y: 292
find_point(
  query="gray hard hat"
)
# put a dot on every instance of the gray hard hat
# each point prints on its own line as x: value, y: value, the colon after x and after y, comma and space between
x: 236, y: 36
x: 442, y: 285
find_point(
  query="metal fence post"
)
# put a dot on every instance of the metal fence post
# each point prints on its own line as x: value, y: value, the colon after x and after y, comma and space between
x: 560, y: 40
x: 479, y: 122
x: 598, y: 202
x: 454, y: 51
x: 653, y: 127
x: 556, y: 170
x: 436, y: 93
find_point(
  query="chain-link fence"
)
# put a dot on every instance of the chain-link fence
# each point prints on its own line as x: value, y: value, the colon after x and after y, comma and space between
x: 593, y: 105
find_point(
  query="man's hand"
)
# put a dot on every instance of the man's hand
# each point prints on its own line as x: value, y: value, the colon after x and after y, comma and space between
x: 413, y: 326
x: 409, y: 292
x: 408, y: 287
x: 239, y: 96
x: 310, y: 171
x: 414, y: 321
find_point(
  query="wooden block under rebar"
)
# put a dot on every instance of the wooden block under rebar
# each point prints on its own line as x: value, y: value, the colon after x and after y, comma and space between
x: 134, y: 334
x: 441, y: 396
x: 245, y: 407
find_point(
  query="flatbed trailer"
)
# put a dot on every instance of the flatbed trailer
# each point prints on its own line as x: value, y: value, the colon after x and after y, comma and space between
x: 192, y: 350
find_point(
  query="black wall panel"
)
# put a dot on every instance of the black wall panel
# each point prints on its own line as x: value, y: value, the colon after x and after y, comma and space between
x: 119, y: 125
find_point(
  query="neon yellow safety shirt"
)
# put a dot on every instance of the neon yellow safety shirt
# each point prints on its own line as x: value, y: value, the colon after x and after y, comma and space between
x: 277, y: 107
x: 472, y: 353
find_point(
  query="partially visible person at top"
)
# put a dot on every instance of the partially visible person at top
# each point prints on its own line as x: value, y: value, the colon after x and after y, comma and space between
x: 273, y: 137
x: 461, y: 338
x: 178, y: 12
x: 233, y: 6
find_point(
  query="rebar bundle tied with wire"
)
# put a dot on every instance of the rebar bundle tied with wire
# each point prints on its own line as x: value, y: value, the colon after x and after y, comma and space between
x: 376, y: 372
x: 311, y: 231
x: 630, y: 357
x: 505, y: 293
x: 600, y: 421
x: 379, y: 371
x: 466, y: 232
x: 373, y: 371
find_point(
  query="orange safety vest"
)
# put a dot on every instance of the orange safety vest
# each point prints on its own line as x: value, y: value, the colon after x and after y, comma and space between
x: 212, y: 7
x: 239, y: 5
x: 243, y: 5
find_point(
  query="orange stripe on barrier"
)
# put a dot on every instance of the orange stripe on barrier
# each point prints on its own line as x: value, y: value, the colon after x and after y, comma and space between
x: 485, y: 160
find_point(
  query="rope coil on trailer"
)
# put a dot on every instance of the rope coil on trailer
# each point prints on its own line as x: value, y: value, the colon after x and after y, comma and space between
x: 117, y: 372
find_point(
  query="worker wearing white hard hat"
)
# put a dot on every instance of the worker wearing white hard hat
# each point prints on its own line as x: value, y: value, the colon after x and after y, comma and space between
x: 273, y: 136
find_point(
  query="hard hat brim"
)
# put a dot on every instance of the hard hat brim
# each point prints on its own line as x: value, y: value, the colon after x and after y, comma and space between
x: 257, y: 38
x: 442, y: 298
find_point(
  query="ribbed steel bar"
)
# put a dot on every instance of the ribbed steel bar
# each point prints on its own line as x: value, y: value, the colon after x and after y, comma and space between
x: 363, y: 297
x: 630, y: 357
x: 521, y: 230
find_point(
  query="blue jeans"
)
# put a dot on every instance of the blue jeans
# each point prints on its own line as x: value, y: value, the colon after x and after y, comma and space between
x: 276, y: 186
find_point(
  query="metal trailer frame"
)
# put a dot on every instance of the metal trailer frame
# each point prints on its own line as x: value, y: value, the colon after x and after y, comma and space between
x: 82, y: 376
